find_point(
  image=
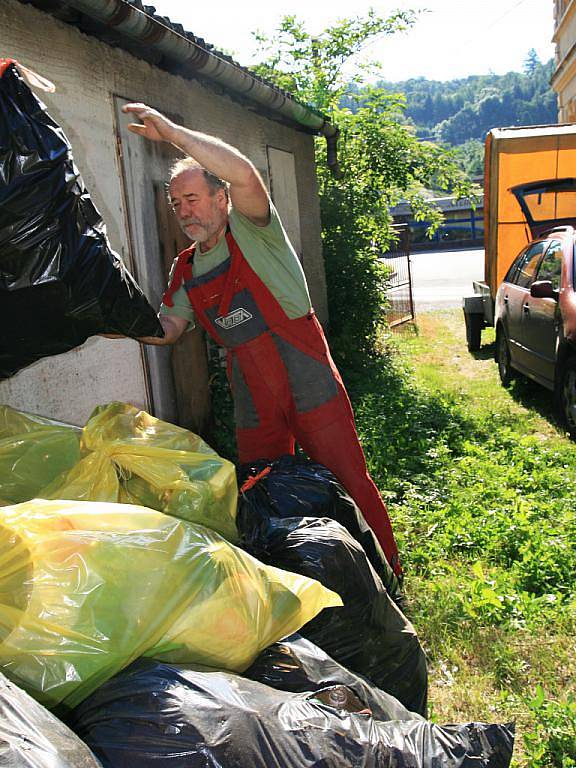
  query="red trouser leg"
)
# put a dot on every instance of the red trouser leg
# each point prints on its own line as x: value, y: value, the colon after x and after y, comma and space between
x: 337, y: 447
x: 272, y: 437
x: 270, y: 441
x: 267, y: 396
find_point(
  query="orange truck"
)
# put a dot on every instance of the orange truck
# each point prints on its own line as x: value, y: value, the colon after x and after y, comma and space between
x: 515, y: 159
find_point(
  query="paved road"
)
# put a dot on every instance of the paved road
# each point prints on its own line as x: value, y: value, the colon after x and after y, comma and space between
x: 441, y: 278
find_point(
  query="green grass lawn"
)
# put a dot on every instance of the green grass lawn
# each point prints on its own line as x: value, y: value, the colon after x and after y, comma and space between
x: 481, y: 486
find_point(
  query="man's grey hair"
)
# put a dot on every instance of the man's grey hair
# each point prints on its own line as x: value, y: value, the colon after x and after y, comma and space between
x: 188, y: 164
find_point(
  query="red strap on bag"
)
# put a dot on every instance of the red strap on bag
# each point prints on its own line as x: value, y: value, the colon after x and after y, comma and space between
x: 5, y: 63
x: 251, y: 481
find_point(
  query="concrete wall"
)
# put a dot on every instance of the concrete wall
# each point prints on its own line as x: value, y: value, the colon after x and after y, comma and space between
x: 88, y: 74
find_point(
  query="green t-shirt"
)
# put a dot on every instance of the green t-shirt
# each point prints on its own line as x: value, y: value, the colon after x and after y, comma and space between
x: 270, y: 254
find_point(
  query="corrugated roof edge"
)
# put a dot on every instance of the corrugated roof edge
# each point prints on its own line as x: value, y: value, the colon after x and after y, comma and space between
x: 137, y: 28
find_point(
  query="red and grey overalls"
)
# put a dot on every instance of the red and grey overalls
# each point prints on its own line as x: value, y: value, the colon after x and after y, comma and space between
x: 284, y: 382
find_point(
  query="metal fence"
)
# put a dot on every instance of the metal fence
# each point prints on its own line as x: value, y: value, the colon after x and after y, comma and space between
x: 399, y: 293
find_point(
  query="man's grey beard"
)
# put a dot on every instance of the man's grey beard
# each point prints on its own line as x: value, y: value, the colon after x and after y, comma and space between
x: 184, y: 224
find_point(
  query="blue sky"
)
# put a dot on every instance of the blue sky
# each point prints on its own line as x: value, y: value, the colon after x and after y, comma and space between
x: 453, y: 38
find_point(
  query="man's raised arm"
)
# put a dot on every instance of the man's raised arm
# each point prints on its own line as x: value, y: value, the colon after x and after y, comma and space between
x: 247, y: 190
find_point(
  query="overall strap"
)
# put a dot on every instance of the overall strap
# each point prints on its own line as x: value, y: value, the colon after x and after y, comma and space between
x: 235, y: 262
x: 179, y: 274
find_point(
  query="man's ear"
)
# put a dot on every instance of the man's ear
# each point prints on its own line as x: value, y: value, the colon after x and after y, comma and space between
x: 223, y: 198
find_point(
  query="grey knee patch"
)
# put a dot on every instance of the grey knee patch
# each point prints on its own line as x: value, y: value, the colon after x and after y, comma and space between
x: 245, y: 412
x: 312, y: 381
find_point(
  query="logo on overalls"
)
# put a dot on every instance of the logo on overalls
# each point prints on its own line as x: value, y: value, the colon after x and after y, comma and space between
x: 234, y: 318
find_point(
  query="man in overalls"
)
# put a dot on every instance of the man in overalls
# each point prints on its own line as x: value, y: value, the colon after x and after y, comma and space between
x: 242, y: 281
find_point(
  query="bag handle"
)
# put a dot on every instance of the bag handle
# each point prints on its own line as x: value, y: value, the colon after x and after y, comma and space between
x: 33, y: 78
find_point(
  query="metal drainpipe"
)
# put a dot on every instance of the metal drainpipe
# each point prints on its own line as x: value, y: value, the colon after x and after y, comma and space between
x: 330, y: 133
x: 136, y: 24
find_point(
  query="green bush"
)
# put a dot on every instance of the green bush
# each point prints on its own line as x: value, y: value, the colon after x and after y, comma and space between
x: 552, y: 742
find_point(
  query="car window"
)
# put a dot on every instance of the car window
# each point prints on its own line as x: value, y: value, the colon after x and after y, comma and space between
x: 528, y: 265
x: 513, y: 269
x: 551, y: 265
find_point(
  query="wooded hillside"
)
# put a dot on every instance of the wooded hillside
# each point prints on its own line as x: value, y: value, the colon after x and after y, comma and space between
x: 458, y: 113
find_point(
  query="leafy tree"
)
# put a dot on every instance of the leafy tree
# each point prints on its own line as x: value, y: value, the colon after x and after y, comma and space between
x: 531, y: 62
x: 382, y: 160
x: 314, y: 67
x: 470, y: 157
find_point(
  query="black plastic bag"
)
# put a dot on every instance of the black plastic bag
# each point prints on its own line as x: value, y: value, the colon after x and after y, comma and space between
x: 293, y: 486
x: 297, y: 665
x: 368, y: 634
x: 31, y: 737
x: 163, y: 715
x: 59, y: 280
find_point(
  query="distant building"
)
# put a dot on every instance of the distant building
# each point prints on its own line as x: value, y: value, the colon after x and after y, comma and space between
x: 564, y: 78
x: 463, y: 225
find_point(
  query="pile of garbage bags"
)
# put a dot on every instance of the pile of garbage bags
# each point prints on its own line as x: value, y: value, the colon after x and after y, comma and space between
x: 153, y: 611
x: 60, y: 282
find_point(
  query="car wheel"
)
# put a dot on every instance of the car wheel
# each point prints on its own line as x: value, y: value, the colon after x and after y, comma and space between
x: 567, y: 395
x: 503, y: 358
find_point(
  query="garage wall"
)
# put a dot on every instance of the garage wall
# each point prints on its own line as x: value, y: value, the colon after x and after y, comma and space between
x: 88, y: 74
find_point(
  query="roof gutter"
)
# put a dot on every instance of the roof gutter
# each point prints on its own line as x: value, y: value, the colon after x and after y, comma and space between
x: 191, y: 57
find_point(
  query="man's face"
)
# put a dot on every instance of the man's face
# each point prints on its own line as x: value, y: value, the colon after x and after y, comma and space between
x: 201, y: 214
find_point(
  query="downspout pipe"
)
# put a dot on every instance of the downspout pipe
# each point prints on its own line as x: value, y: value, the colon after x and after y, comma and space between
x: 331, y: 133
x: 183, y: 50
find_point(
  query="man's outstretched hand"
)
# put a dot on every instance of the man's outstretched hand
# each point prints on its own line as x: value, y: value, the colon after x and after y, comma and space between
x: 172, y: 325
x: 153, y: 126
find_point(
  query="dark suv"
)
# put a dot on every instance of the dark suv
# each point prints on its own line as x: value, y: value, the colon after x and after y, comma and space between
x: 535, y: 313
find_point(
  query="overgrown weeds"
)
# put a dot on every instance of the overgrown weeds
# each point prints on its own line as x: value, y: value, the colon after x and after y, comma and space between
x: 482, y: 492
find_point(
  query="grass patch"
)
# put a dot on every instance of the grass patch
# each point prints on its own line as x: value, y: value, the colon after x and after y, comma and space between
x: 481, y: 486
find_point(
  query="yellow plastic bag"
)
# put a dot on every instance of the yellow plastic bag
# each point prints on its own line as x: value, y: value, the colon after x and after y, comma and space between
x: 218, y: 630
x: 33, y: 452
x: 13, y: 422
x: 86, y: 587
x: 132, y: 457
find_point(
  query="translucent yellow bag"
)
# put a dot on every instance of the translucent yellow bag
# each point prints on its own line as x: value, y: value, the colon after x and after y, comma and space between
x: 132, y: 457
x: 33, y: 452
x: 86, y: 587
